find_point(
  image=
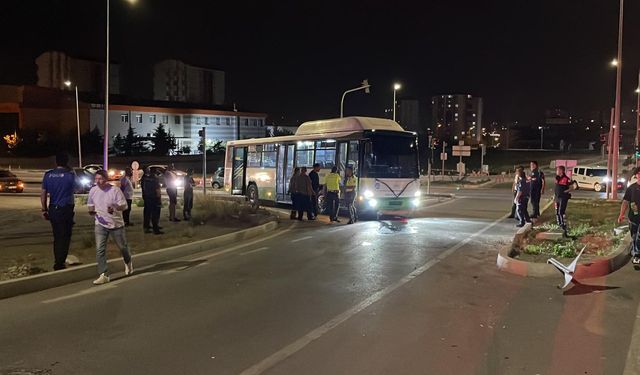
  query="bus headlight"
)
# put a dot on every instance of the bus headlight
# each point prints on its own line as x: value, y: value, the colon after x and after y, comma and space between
x: 417, y: 194
x: 373, y: 203
x: 416, y: 202
x: 368, y: 194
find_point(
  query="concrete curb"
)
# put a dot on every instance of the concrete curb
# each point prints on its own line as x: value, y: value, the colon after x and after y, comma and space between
x: 29, y: 284
x: 440, y: 195
x: 478, y: 186
x: 596, y: 268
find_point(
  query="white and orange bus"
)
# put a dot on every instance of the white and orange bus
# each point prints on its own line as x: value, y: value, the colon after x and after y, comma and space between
x: 383, y: 156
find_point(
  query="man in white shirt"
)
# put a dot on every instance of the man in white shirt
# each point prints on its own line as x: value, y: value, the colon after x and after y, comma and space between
x: 106, y: 203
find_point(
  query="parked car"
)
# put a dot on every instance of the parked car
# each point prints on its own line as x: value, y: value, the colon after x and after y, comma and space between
x: 159, y: 170
x: 9, y: 182
x: 217, y: 180
x: 84, y: 180
x: 594, y: 178
x: 114, y: 174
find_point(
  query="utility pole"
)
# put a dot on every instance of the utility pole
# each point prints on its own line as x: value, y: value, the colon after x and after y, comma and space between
x: 616, y: 122
x: 444, y: 153
x: 203, y: 135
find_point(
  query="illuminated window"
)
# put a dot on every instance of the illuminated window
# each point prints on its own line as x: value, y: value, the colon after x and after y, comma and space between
x: 152, y: 119
x: 124, y: 117
x: 139, y: 119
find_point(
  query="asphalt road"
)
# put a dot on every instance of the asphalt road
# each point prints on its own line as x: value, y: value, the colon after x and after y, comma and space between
x: 422, y: 297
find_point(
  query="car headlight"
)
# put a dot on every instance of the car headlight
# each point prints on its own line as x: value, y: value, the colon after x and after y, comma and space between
x: 111, y: 172
x: 373, y: 203
x: 178, y: 183
x: 417, y: 193
x: 606, y: 179
x: 368, y: 194
x: 20, y: 184
x: 85, y: 181
x: 622, y: 179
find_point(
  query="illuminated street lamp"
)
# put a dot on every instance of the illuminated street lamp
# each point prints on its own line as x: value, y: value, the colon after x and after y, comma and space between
x: 616, y: 119
x: 68, y: 84
x: 614, y: 62
x: 396, y: 87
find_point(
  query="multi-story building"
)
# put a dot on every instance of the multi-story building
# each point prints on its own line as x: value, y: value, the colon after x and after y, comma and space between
x: 176, y: 81
x: 54, y: 68
x: 457, y: 117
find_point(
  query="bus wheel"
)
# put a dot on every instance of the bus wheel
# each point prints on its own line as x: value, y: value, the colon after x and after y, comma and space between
x: 252, y: 196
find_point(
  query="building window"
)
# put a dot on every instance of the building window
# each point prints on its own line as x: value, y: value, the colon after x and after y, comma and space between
x: 206, y: 121
x: 245, y: 122
x: 152, y: 119
x: 177, y: 119
x: 260, y: 122
x: 218, y: 121
x: 254, y: 122
x: 165, y: 119
x: 199, y: 120
x: 124, y: 118
x: 228, y: 121
x: 139, y: 119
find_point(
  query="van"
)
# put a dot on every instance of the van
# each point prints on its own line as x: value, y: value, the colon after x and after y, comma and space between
x: 593, y: 178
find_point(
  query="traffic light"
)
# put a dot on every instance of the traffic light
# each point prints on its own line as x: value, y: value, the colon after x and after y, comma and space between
x: 203, y: 139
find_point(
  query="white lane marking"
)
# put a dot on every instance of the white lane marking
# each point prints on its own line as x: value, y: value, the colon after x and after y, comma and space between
x: 255, y: 251
x: 318, y: 332
x: 339, y: 228
x: 302, y: 238
x: 115, y: 283
x: 443, y: 203
x: 632, y: 366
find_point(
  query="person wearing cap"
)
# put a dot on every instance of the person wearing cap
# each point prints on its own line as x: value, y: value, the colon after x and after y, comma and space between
x: 630, y: 207
x: 106, y: 204
x: 58, y: 185
x: 127, y: 189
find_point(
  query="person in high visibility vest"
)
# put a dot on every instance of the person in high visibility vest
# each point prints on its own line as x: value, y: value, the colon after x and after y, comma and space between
x: 332, y: 193
x: 350, y: 187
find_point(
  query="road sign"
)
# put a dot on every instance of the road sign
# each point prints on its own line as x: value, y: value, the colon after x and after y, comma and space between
x: 461, y: 150
x: 443, y: 156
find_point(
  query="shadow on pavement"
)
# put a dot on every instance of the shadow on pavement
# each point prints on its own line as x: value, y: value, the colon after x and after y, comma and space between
x: 581, y: 289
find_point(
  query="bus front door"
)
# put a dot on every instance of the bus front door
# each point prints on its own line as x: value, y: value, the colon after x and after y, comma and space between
x: 284, y: 172
x: 239, y: 171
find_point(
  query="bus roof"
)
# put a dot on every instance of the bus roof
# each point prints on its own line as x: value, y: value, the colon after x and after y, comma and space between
x: 347, y: 124
x: 328, y: 129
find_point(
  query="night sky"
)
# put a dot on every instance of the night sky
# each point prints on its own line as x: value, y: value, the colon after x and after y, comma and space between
x: 293, y: 59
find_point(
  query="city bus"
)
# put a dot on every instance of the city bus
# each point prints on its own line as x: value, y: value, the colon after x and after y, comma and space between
x: 384, y: 158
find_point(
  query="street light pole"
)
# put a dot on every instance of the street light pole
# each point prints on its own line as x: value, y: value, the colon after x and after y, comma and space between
x: 541, y: 136
x: 105, y: 162
x: 396, y: 87
x: 637, y: 143
x: 616, y: 121
x: 365, y: 86
x: 78, y: 124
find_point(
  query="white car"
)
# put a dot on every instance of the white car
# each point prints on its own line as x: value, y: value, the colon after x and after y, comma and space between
x: 594, y: 178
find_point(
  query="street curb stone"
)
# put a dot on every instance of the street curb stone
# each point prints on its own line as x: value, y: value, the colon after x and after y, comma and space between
x: 43, y: 281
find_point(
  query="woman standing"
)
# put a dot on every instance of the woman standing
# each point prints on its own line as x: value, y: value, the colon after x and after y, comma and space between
x: 292, y: 192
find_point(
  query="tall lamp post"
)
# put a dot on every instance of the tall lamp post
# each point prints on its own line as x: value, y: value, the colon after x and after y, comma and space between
x: 541, y: 137
x: 364, y: 86
x: 616, y: 118
x: 106, y: 94
x: 68, y: 84
x: 637, y: 140
x: 396, y: 87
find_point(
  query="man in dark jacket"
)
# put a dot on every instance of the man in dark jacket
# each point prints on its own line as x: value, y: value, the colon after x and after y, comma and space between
x: 152, y: 202
x: 537, y: 181
x: 304, y: 194
x: 315, y: 186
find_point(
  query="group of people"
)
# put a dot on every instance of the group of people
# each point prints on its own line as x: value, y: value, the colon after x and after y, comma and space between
x: 305, y: 189
x: 530, y: 188
x: 110, y: 206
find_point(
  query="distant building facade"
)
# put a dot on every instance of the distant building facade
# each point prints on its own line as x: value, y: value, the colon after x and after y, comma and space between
x: 176, y: 81
x: 54, y: 68
x: 456, y: 117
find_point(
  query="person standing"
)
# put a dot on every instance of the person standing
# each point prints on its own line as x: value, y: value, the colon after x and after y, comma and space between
x: 58, y: 185
x: 332, y: 194
x: 188, y: 194
x: 293, y: 194
x: 304, y: 194
x: 514, y: 186
x: 170, y: 180
x: 315, y: 186
x: 151, y: 195
x: 126, y: 185
x: 631, y: 203
x: 350, y: 187
x: 522, y: 199
x: 538, y: 184
x: 106, y: 203
x: 561, y: 197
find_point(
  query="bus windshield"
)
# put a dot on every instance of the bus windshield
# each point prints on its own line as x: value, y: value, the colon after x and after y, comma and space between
x: 390, y: 156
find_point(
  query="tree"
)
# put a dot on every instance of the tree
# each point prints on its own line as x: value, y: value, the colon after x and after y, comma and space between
x: 133, y: 144
x: 186, y: 150
x: 92, y: 142
x: 163, y: 142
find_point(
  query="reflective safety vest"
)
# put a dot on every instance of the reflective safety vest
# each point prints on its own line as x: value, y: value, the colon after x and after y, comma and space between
x: 332, y: 182
x: 350, y: 184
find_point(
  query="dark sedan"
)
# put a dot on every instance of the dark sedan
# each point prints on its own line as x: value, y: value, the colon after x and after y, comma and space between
x: 9, y: 182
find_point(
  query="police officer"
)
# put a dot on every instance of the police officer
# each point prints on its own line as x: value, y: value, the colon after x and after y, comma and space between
x: 332, y: 189
x: 538, y: 183
x: 561, y: 197
x: 152, y: 203
x: 58, y: 185
x: 631, y: 203
x: 350, y: 186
